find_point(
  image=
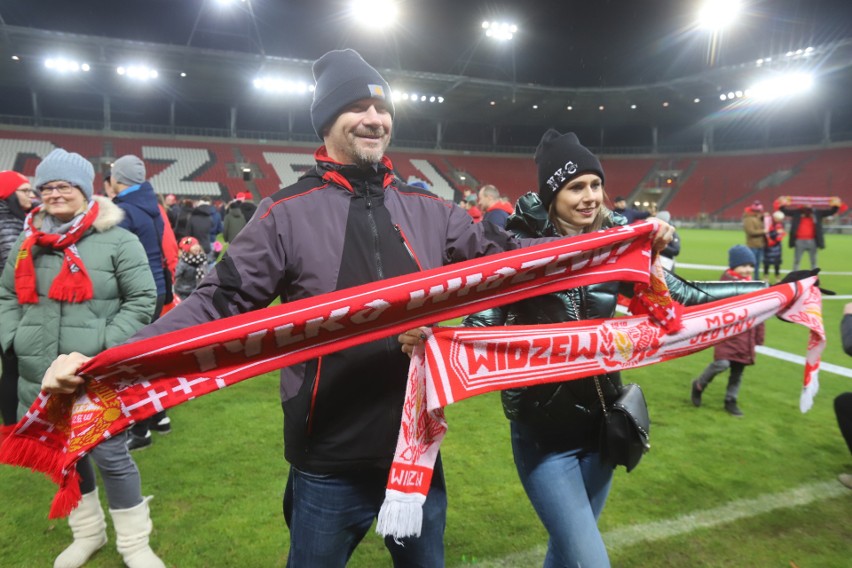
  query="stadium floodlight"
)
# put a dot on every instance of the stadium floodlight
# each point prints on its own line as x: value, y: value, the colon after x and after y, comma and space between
x: 278, y: 85
x: 63, y: 65
x: 373, y: 12
x: 786, y: 85
x: 500, y: 31
x: 718, y: 14
x: 137, y: 72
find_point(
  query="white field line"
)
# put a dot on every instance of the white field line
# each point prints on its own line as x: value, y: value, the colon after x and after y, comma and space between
x: 720, y: 268
x: 799, y: 360
x: 618, y: 539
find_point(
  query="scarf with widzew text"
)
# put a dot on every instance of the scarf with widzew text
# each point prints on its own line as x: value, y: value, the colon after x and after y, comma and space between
x: 131, y: 382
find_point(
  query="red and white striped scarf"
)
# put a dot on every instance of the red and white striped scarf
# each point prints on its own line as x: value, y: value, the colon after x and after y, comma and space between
x: 72, y: 284
x: 128, y: 383
x: 457, y: 363
x: 810, y: 202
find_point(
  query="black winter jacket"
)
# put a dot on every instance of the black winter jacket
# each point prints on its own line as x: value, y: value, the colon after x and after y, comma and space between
x: 569, y: 413
x: 337, y: 227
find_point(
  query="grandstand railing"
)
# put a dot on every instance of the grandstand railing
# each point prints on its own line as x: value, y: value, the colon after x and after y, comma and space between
x: 163, y: 129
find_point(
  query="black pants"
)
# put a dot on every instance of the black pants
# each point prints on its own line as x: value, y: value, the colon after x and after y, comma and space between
x: 9, y: 388
x: 843, y: 411
x: 140, y: 429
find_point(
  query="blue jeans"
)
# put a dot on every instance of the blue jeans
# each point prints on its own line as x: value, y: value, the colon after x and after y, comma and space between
x: 568, y: 489
x: 329, y: 514
x: 758, y: 259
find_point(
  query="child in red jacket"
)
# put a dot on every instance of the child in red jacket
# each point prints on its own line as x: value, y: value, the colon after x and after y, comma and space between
x: 738, y: 351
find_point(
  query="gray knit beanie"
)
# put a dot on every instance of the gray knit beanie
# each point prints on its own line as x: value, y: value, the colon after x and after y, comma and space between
x: 342, y: 78
x: 129, y: 170
x: 60, y: 165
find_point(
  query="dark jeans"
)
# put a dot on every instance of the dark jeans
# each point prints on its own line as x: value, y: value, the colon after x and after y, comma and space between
x: 140, y: 429
x: 329, y: 515
x: 9, y: 388
x: 843, y: 411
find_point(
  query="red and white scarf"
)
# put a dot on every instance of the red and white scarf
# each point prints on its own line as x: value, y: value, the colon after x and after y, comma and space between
x: 128, y: 383
x: 810, y: 202
x: 72, y: 284
x: 457, y: 363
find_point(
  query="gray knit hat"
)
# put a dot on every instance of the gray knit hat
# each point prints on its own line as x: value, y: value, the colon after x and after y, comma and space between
x: 129, y: 170
x: 342, y: 78
x: 66, y: 166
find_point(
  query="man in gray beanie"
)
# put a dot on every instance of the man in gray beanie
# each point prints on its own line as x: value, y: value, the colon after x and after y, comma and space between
x: 129, y: 190
x: 347, y: 221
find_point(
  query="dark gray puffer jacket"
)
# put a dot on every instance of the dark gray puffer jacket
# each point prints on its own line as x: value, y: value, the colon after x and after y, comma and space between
x: 569, y: 413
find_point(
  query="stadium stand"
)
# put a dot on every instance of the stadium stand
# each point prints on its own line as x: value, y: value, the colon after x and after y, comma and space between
x: 715, y: 187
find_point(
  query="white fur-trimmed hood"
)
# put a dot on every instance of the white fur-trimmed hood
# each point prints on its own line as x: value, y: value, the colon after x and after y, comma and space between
x: 109, y: 215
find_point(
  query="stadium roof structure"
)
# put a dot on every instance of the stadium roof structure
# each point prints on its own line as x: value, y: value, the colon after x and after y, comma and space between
x: 210, y: 88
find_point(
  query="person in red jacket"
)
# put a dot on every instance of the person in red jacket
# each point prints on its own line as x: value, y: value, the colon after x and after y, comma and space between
x: 738, y: 351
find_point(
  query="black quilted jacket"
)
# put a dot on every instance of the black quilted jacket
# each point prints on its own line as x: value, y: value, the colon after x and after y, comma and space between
x: 570, y: 412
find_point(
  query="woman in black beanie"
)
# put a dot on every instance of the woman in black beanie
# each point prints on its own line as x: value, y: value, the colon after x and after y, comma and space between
x: 555, y: 428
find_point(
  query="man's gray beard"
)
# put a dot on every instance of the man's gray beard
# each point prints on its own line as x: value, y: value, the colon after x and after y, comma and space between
x: 366, y: 158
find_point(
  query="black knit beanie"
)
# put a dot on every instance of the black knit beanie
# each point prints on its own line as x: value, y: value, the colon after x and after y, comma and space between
x: 342, y: 78
x: 560, y: 158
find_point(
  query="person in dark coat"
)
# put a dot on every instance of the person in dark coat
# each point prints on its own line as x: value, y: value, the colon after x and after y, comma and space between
x: 773, y: 253
x: 738, y: 351
x: 142, y: 217
x: 843, y: 402
x: 806, y: 232
x: 15, y: 201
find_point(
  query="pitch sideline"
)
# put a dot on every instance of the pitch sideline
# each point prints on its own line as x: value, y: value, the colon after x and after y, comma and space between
x: 624, y: 537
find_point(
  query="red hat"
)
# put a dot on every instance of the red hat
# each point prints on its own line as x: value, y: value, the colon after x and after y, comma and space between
x: 10, y: 181
x: 187, y: 243
x: 241, y: 196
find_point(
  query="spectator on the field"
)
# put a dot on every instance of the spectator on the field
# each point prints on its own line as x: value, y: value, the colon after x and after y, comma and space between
x: 773, y: 253
x: 348, y: 220
x: 668, y: 254
x: 555, y: 428
x: 738, y: 351
x: 240, y: 210
x: 755, y: 227
x: 806, y: 232
x: 469, y: 204
x: 16, y: 200
x: 489, y: 204
x: 172, y: 208
x: 630, y: 213
x: 191, y: 268
x: 129, y: 190
x: 843, y: 402
x: 81, y: 283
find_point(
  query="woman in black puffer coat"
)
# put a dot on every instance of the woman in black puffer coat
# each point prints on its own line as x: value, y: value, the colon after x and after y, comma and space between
x: 555, y: 427
x: 16, y: 195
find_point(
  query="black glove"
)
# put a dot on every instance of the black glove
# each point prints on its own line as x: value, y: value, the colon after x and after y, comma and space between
x: 801, y: 275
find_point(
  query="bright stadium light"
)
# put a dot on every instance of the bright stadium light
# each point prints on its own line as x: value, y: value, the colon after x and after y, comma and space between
x: 280, y: 85
x: 718, y: 14
x: 787, y: 85
x: 137, y: 72
x: 375, y: 12
x: 500, y: 31
x: 63, y: 65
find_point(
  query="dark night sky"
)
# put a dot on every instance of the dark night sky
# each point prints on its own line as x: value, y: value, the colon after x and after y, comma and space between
x: 561, y: 42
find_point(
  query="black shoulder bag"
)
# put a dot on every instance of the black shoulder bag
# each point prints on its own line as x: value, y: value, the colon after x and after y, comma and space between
x: 626, y: 427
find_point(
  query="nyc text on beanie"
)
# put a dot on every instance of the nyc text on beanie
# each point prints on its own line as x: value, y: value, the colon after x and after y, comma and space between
x: 559, y: 159
x: 342, y: 78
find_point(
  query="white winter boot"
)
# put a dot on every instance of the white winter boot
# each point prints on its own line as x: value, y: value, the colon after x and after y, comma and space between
x: 89, y: 530
x: 132, y: 528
